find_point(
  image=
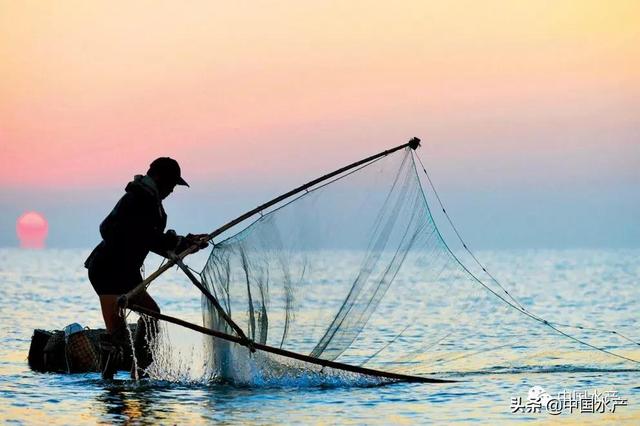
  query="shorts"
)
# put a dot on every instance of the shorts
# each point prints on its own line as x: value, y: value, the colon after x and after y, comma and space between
x: 113, y: 281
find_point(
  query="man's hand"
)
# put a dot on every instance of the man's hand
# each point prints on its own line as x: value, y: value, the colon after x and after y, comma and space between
x: 201, y: 240
x: 190, y: 240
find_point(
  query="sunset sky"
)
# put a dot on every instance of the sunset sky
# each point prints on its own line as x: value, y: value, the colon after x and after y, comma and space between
x: 529, y: 110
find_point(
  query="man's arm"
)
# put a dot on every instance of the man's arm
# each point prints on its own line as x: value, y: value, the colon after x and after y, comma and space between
x: 182, y: 243
x: 162, y: 243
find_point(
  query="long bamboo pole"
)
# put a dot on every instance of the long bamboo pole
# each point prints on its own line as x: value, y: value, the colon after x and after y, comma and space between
x: 414, y: 143
x: 289, y: 354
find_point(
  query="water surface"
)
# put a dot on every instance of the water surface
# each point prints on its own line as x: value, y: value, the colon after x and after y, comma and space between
x: 48, y: 289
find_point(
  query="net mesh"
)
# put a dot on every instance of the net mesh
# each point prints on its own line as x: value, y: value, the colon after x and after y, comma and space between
x: 356, y: 270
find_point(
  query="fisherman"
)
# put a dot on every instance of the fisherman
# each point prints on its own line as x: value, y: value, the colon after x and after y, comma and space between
x: 134, y: 227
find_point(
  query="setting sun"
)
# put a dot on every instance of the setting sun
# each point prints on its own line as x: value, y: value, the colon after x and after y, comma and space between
x: 32, y: 229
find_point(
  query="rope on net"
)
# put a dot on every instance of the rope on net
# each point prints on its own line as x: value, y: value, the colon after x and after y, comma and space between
x: 514, y: 303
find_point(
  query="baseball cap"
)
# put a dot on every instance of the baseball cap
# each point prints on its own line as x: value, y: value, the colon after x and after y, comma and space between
x: 169, y: 168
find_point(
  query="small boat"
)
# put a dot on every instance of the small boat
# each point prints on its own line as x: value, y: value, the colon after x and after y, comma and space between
x: 73, y: 349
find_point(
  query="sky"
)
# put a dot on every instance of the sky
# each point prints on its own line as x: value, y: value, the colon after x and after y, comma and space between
x: 529, y: 111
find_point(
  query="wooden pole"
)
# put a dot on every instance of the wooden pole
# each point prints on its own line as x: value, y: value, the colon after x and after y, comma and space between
x: 414, y: 143
x: 289, y: 354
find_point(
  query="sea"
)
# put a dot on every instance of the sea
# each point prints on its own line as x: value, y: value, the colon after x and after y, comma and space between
x: 48, y: 289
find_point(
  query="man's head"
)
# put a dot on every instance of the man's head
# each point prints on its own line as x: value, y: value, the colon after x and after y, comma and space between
x: 165, y: 172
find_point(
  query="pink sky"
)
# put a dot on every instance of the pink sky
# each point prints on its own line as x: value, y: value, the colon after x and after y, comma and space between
x: 528, y: 110
x: 91, y: 92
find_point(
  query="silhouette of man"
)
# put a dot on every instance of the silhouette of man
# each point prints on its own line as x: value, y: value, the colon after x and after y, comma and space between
x: 134, y: 227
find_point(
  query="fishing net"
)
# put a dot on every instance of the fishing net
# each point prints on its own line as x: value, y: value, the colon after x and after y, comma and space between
x: 355, y: 270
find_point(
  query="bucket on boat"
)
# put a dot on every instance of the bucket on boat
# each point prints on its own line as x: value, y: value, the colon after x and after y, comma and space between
x: 80, y: 352
x: 53, y: 353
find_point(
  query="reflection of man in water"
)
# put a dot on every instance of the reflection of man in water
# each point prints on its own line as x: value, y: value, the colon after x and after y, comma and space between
x: 134, y: 227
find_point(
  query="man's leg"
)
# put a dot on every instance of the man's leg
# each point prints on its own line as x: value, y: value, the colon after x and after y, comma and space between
x: 146, y: 301
x: 146, y: 330
x: 110, y: 312
x: 113, y: 342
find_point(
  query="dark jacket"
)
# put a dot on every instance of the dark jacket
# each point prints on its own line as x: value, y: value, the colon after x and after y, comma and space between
x: 134, y: 227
